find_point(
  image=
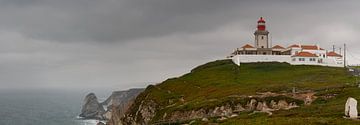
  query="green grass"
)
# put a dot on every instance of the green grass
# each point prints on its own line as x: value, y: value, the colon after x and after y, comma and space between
x: 211, y: 84
x: 222, y: 78
x: 358, y: 67
x: 330, y: 112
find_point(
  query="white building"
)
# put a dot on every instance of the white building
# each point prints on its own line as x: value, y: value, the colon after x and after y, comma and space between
x: 296, y: 54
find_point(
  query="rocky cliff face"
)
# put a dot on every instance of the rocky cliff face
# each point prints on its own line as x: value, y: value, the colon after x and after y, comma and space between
x: 118, y: 101
x: 91, y: 108
x: 146, y: 111
x: 121, y: 97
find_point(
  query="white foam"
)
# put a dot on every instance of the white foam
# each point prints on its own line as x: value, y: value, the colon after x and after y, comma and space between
x: 89, y: 122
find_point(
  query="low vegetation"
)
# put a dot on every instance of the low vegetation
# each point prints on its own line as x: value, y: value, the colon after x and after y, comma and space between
x: 217, y: 82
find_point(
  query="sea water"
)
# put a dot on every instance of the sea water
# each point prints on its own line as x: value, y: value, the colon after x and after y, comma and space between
x: 41, y: 107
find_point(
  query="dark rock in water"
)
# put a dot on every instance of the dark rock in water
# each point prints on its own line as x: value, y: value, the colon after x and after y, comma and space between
x: 91, y: 108
x: 100, y: 123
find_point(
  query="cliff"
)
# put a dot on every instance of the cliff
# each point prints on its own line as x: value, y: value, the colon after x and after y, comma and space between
x: 221, y: 92
x: 119, y: 100
x: 91, y: 108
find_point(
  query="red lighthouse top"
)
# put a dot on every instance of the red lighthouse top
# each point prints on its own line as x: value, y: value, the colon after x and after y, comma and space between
x: 261, y: 24
x: 261, y: 20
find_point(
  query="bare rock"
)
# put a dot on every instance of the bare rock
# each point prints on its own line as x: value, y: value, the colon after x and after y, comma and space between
x: 91, y: 108
x: 100, y: 123
x: 234, y: 115
x: 282, y: 104
x: 251, y: 105
x: 239, y: 108
x: 273, y: 104
x: 259, y: 106
x: 205, y: 119
x: 351, y: 108
x: 222, y: 118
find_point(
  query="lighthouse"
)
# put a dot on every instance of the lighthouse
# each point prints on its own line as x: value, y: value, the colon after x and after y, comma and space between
x: 261, y: 35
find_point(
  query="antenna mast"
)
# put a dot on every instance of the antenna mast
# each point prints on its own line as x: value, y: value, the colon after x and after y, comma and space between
x: 344, y: 55
x: 340, y: 51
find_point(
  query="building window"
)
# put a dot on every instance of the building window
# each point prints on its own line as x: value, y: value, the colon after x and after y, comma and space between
x: 262, y: 37
x: 301, y: 59
x: 312, y: 59
x: 320, y: 61
x: 262, y: 46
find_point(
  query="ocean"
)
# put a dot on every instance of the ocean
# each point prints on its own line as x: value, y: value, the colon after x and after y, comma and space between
x: 42, y: 107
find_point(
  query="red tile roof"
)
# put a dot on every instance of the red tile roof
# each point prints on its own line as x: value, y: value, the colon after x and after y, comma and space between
x: 333, y: 54
x: 305, y: 54
x: 247, y: 46
x: 278, y: 47
x: 293, y: 46
x: 309, y: 47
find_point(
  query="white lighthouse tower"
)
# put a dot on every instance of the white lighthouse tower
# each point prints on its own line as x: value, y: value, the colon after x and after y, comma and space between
x: 261, y: 35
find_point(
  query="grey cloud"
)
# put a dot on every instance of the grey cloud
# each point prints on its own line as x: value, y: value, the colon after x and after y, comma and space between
x: 132, y: 43
x: 110, y: 20
x: 122, y: 20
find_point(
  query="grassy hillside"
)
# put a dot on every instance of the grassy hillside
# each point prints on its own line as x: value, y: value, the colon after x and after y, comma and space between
x: 320, y: 112
x: 223, y: 78
x: 213, y: 83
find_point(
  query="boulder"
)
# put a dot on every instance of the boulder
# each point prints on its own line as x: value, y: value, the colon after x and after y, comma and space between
x: 251, y: 105
x: 205, y: 119
x: 91, y: 108
x: 273, y: 104
x: 351, y: 108
x: 282, y: 104
x: 234, y: 115
x: 100, y: 123
x: 239, y: 108
x: 259, y: 106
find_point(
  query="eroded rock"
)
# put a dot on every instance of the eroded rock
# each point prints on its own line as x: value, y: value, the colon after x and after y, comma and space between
x: 351, y: 108
x: 91, y: 108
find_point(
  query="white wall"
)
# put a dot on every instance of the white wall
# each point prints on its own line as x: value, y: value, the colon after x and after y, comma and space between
x: 262, y: 40
x: 305, y: 62
x: 332, y: 62
x: 264, y: 58
x: 294, y: 50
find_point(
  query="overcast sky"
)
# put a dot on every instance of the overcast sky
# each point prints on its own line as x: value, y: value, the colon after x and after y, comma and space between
x: 121, y: 44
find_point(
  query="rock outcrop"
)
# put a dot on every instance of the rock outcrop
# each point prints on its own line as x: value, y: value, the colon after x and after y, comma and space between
x: 147, y: 110
x: 121, y: 97
x: 227, y: 111
x: 351, y: 108
x: 91, y: 108
x: 119, y: 100
x: 100, y: 123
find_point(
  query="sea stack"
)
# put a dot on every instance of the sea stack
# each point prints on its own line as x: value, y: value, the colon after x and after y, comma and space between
x: 91, y: 108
